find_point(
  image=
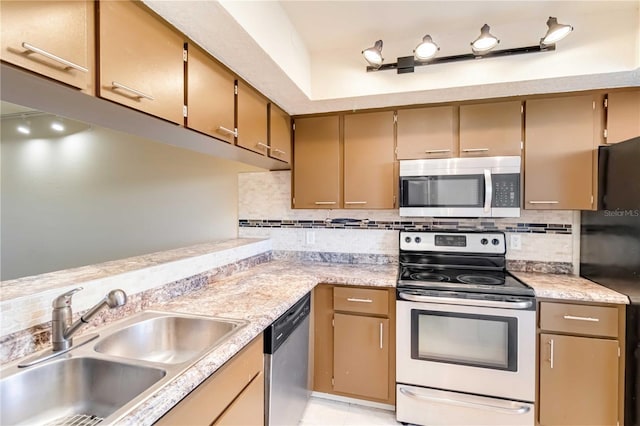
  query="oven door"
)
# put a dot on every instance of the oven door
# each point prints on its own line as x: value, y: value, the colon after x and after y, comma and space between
x: 477, y: 349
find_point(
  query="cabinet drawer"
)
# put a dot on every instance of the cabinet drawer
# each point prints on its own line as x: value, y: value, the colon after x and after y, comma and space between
x: 580, y: 319
x: 361, y: 300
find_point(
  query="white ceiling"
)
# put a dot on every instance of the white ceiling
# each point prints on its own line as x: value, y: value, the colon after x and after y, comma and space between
x: 305, y: 55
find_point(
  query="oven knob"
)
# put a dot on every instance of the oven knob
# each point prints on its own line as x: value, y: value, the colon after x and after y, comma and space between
x: 407, y: 239
x: 484, y: 241
x: 495, y: 242
x: 418, y: 240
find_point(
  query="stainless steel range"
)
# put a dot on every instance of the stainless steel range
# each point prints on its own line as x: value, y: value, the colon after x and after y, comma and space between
x: 465, y: 332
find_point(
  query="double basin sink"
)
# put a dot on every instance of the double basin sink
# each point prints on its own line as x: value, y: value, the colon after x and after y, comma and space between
x: 102, y: 380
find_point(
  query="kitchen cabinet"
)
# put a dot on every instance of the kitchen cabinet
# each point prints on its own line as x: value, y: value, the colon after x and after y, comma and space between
x: 560, y: 152
x: 427, y: 133
x: 490, y: 130
x: 252, y: 119
x: 210, y: 96
x: 316, y: 163
x: 369, y: 178
x: 354, y: 341
x: 623, y: 116
x: 580, y: 368
x: 52, y: 38
x: 233, y: 395
x: 279, y: 134
x: 141, y: 60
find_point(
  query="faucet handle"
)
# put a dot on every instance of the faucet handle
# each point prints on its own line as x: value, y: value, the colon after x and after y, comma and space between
x: 64, y: 300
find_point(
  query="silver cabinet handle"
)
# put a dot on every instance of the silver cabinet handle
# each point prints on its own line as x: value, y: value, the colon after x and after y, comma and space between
x: 524, y: 304
x: 355, y: 202
x: 324, y: 203
x: 140, y: 94
x: 355, y: 299
x: 233, y: 132
x: 56, y: 58
x: 488, y: 190
x: 475, y: 150
x: 544, y: 202
x: 265, y: 146
x: 551, y: 353
x: 523, y: 409
x: 571, y: 317
x: 437, y: 151
x: 278, y: 151
x: 381, y: 331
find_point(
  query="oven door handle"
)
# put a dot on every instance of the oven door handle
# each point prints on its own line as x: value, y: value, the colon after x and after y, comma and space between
x: 488, y: 190
x: 523, y: 304
x: 523, y: 409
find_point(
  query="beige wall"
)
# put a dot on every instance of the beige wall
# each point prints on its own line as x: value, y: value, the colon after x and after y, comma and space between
x: 100, y: 195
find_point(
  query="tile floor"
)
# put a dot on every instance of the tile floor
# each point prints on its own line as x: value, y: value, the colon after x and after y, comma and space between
x: 325, y: 412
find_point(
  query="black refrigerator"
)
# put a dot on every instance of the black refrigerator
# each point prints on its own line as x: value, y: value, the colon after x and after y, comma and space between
x: 610, y: 250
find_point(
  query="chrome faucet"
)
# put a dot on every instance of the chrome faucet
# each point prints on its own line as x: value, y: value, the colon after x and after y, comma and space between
x: 62, y: 329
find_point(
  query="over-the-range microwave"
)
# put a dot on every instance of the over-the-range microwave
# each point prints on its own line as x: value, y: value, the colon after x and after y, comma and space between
x: 460, y: 187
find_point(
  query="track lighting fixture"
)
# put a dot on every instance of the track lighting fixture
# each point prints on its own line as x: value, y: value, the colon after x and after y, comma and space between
x: 24, y: 128
x: 481, y: 47
x: 57, y: 126
x: 485, y: 41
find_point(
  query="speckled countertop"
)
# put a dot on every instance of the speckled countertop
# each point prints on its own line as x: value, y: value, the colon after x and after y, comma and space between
x: 260, y: 295
x: 569, y: 288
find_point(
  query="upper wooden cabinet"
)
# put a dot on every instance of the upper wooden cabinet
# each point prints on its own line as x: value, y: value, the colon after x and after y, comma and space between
x: 279, y: 134
x: 210, y: 96
x: 427, y: 133
x: 52, y: 38
x: 369, y: 178
x: 489, y: 130
x: 560, y: 135
x: 623, y: 116
x: 316, y: 163
x: 252, y: 119
x: 141, y: 60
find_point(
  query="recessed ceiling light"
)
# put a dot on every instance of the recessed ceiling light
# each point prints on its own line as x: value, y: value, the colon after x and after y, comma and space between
x: 24, y: 129
x: 373, y: 55
x: 485, y: 42
x: 426, y: 50
x: 57, y: 126
x: 556, y: 32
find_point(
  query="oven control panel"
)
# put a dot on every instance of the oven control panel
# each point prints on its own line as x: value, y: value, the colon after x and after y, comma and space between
x: 454, y: 242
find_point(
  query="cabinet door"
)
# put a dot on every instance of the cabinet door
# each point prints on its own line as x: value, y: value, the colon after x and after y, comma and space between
x: 316, y: 163
x: 361, y: 355
x: 52, y: 38
x: 252, y: 120
x: 248, y: 408
x: 141, y: 62
x: 369, y: 181
x: 210, y: 96
x: 623, y: 116
x: 279, y: 134
x: 489, y: 130
x: 426, y: 133
x: 578, y: 380
x: 559, y: 153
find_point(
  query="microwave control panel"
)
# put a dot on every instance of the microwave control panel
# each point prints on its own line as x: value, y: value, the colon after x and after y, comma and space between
x: 506, y: 190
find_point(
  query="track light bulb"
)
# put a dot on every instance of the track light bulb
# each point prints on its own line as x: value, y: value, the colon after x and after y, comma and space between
x: 485, y: 42
x: 373, y: 55
x: 556, y: 32
x: 426, y: 50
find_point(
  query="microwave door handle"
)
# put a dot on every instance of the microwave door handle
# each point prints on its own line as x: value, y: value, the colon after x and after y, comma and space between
x: 488, y: 190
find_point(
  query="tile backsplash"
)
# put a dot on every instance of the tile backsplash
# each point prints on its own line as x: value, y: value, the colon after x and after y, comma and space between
x: 264, y: 210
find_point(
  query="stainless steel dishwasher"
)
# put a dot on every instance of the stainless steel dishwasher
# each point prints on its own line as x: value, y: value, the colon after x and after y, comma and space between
x: 286, y: 348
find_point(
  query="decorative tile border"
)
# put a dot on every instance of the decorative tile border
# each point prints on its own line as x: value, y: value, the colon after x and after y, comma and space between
x: 461, y: 225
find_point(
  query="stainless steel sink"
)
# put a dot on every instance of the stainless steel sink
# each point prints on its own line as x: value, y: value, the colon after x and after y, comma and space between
x: 72, y: 388
x: 167, y: 339
x: 130, y: 361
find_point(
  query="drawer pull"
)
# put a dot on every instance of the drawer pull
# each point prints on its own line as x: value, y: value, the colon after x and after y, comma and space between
x: 590, y: 319
x: 324, y: 203
x: 437, y: 151
x: 544, y: 202
x: 233, y: 132
x: 475, y: 150
x: 355, y: 202
x: 355, y: 299
x: 262, y: 145
x: 138, y: 93
x: 51, y: 56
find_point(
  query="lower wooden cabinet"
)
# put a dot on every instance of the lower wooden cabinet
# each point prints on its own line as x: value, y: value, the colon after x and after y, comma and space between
x: 354, y: 342
x: 233, y: 395
x: 580, y: 364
